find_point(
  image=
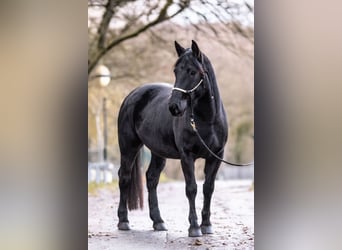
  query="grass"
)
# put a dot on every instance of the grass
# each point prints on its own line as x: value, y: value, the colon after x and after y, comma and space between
x: 163, y: 178
x: 94, y: 187
x: 251, y: 188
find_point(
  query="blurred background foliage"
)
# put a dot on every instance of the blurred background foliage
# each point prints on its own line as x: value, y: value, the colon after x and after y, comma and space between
x: 135, y: 40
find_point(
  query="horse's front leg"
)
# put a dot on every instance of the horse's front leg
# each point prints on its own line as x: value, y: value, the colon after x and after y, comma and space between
x: 191, y: 191
x: 211, y: 167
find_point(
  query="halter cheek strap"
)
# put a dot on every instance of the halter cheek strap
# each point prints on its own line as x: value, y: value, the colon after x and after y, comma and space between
x: 190, y: 90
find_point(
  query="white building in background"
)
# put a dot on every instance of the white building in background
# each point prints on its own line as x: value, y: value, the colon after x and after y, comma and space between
x: 227, y: 172
x: 104, y: 172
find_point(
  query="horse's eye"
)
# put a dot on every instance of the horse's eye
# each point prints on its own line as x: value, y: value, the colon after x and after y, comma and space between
x: 192, y: 72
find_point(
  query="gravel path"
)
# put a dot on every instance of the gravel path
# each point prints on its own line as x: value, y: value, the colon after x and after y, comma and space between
x: 232, y: 218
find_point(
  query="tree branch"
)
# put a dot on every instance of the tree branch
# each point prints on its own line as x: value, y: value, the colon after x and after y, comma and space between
x: 103, y: 27
x: 161, y: 17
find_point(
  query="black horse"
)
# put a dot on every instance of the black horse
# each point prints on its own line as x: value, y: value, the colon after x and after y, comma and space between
x: 160, y: 117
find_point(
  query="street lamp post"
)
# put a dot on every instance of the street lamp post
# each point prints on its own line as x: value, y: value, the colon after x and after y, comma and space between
x: 104, y: 130
x: 104, y: 76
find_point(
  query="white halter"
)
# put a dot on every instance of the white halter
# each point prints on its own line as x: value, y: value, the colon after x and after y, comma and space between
x: 190, y: 90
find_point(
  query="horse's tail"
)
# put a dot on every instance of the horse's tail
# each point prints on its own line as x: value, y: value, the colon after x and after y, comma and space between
x: 135, y: 190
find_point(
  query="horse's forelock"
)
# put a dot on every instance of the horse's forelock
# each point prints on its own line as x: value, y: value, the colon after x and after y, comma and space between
x: 191, y: 59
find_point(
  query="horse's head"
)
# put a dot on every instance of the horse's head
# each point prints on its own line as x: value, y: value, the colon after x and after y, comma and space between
x: 190, y: 73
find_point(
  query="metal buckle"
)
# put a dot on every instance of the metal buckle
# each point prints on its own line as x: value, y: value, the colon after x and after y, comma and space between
x: 192, y: 123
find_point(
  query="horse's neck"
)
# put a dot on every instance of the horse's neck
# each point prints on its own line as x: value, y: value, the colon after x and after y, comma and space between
x: 208, y: 107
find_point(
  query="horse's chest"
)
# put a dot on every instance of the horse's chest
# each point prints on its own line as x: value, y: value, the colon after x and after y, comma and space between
x: 211, y: 138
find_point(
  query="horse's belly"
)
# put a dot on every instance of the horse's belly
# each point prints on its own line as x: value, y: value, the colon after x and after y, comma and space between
x: 161, y: 147
x: 170, y: 153
x: 157, y: 135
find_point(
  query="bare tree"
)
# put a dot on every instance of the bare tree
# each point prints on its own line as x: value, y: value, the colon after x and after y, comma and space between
x: 137, y: 33
x: 112, y: 22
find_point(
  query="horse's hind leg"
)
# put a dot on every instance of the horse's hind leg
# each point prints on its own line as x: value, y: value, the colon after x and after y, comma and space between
x: 210, y: 170
x: 157, y: 164
x: 128, y: 159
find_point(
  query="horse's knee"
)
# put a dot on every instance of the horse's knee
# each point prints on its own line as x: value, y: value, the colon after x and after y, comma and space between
x: 152, y: 178
x: 151, y: 184
x: 208, y: 189
x: 191, y: 190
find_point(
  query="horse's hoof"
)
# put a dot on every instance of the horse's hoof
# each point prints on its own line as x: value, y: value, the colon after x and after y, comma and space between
x: 195, y: 232
x: 207, y: 229
x: 160, y: 226
x: 123, y: 226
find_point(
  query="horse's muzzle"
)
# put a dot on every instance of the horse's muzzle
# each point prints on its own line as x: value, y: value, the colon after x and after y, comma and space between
x: 177, y: 103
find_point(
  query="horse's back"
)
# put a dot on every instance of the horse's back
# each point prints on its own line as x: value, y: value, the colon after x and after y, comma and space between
x: 145, y: 115
x: 143, y: 96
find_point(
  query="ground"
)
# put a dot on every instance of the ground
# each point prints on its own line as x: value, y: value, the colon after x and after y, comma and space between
x: 232, y: 218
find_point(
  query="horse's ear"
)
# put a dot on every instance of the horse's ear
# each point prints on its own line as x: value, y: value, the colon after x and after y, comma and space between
x: 196, y: 51
x: 180, y: 50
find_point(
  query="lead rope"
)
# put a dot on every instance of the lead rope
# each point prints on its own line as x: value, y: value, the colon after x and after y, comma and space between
x: 193, y: 125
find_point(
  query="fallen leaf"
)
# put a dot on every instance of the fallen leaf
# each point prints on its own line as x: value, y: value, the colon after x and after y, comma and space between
x: 198, y: 242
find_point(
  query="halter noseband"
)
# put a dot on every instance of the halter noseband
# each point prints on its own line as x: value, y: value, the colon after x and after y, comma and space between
x: 190, y: 90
